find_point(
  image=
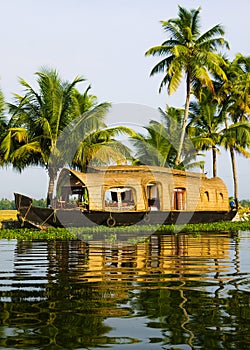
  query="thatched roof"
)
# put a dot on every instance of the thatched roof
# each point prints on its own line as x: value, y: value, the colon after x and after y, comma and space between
x: 207, y: 194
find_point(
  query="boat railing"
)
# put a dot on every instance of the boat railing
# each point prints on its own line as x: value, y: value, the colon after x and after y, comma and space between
x: 71, y: 205
x: 116, y: 206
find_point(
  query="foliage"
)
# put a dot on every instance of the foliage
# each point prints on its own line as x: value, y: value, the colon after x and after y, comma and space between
x: 42, y: 121
x: 29, y: 234
x: 190, y: 54
x: 101, y: 148
x: 7, y: 204
x: 233, y: 96
x: 10, y: 204
x: 205, y: 123
x: 159, y: 146
x: 3, y: 121
x: 112, y: 233
x: 57, y: 125
x: 245, y: 203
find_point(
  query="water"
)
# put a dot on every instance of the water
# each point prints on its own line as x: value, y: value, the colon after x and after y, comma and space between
x: 172, y: 292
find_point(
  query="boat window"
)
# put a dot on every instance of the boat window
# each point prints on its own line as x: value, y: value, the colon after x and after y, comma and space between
x: 120, y: 198
x: 153, y: 196
x: 221, y: 196
x: 179, y: 199
x: 206, y: 196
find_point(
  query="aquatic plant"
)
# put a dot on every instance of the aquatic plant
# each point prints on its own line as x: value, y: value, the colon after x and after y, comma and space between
x: 129, y: 232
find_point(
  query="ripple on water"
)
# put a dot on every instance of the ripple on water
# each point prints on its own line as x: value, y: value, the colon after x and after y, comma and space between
x: 175, y: 291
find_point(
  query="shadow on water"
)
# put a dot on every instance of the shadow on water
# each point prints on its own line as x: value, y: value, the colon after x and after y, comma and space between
x: 168, y: 292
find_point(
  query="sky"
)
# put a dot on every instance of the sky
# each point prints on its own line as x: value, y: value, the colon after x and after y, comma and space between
x: 105, y: 42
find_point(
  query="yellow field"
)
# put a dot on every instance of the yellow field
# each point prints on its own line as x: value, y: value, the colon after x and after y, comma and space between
x: 7, y: 215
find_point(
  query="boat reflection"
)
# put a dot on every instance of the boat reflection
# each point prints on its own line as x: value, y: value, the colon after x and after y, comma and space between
x: 165, y: 257
x: 172, y: 291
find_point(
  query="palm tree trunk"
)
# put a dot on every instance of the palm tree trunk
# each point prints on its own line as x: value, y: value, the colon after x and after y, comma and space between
x: 184, y: 124
x: 235, y: 177
x: 214, y: 155
x: 52, y: 178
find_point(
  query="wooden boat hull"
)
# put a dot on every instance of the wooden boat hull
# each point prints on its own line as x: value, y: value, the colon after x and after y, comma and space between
x: 29, y: 215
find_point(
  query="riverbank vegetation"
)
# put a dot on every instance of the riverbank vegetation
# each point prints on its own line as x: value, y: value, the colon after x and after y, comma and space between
x: 128, y: 233
x: 58, y: 125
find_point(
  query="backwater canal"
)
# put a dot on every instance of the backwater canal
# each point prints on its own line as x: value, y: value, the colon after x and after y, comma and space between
x: 180, y: 291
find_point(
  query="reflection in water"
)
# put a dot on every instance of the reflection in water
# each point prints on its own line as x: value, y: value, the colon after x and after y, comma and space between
x: 170, y: 292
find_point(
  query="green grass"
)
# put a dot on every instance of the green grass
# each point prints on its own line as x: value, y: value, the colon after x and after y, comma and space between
x: 110, y: 233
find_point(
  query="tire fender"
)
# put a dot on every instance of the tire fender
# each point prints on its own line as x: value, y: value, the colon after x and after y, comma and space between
x: 111, y: 222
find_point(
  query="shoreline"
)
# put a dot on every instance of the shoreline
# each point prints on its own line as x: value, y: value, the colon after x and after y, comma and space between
x: 111, y: 234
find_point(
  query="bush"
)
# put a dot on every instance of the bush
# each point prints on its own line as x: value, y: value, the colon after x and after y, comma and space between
x: 6, y: 204
x: 245, y: 203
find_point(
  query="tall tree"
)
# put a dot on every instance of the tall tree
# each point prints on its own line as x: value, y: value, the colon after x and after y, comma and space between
x: 234, y: 93
x: 101, y: 148
x: 159, y: 146
x: 236, y: 138
x: 235, y: 101
x: 3, y: 122
x: 205, y: 124
x: 190, y: 53
x: 39, y: 120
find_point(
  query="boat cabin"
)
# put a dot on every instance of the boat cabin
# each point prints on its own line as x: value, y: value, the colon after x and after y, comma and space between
x: 139, y: 188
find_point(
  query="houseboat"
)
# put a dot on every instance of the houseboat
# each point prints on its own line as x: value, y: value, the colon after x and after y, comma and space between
x: 127, y: 195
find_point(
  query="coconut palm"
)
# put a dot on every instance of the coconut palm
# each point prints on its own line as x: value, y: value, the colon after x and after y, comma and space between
x: 3, y: 122
x: 40, y: 118
x: 17, y: 149
x: 154, y: 148
x: 236, y: 138
x: 220, y: 119
x: 190, y: 53
x: 235, y: 101
x: 159, y: 146
x: 205, y: 124
x: 234, y: 93
x: 101, y: 148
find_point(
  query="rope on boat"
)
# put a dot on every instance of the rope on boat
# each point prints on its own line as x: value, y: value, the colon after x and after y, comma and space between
x: 27, y: 212
x: 54, y: 218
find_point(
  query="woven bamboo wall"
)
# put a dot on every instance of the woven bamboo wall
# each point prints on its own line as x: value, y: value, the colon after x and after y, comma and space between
x: 200, y: 193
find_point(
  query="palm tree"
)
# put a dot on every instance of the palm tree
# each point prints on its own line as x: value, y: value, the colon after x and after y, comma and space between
x: 153, y: 148
x: 234, y: 93
x: 101, y: 148
x: 205, y: 124
x: 41, y: 122
x: 235, y: 101
x: 3, y: 125
x: 17, y: 149
x: 3, y: 122
x: 159, y: 146
x: 236, y: 138
x: 220, y: 119
x: 190, y: 53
